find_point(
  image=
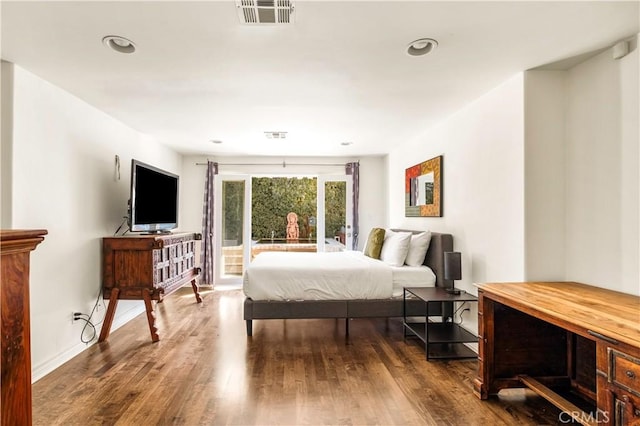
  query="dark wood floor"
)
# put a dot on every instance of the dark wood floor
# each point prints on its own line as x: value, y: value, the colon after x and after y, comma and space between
x: 205, y: 371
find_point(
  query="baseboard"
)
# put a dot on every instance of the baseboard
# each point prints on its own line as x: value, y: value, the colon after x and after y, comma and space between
x: 41, y: 370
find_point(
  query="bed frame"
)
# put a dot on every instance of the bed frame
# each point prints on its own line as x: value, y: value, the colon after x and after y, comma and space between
x: 360, y: 308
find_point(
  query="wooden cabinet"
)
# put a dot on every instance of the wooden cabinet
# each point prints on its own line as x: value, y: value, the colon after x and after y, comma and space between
x: 147, y: 267
x: 15, y: 355
x: 619, y: 378
x: 562, y: 338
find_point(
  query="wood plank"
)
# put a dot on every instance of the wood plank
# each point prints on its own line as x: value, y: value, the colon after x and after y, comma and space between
x: 574, y: 306
x: 566, y: 406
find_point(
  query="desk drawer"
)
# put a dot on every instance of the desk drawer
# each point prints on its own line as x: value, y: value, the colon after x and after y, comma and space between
x: 624, y: 371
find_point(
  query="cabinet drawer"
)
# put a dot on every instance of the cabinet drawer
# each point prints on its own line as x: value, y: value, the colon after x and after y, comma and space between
x: 624, y: 371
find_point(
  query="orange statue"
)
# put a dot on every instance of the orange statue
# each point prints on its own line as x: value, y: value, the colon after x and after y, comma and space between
x: 293, y: 232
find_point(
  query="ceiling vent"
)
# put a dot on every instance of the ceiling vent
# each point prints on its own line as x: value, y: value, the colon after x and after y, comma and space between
x: 276, y: 135
x: 265, y: 11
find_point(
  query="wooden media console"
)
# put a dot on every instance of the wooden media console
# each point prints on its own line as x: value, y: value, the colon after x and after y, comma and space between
x: 146, y: 267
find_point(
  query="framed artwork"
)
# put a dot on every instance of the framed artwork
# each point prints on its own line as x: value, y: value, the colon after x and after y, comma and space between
x: 423, y: 189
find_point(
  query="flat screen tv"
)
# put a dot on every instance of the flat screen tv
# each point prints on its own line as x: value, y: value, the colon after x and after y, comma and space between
x: 153, y: 206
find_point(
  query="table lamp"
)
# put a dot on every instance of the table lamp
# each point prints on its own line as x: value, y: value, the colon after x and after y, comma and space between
x: 452, y: 269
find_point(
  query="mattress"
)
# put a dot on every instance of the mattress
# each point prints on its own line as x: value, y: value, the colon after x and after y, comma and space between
x: 326, y: 276
x: 411, y: 276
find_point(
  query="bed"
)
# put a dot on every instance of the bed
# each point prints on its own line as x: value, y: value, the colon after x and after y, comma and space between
x: 347, y: 307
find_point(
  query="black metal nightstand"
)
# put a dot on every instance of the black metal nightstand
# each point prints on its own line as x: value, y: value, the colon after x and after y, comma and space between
x: 441, y: 339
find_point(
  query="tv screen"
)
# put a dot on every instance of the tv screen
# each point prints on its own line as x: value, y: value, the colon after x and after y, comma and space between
x: 154, y: 199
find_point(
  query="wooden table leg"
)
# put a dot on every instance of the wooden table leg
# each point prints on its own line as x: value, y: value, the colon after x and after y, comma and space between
x: 111, y: 313
x: 486, y: 338
x: 196, y: 291
x: 151, y: 316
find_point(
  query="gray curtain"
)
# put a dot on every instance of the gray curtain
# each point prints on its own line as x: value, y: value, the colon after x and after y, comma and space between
x: 353, y: 169
x: 208, y: 245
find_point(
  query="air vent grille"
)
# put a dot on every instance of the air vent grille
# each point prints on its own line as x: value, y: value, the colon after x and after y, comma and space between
x: 265, y: 11
x: 276, y: 135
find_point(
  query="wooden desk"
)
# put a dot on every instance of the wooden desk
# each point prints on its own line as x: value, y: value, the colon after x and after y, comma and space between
x: 562, y: 337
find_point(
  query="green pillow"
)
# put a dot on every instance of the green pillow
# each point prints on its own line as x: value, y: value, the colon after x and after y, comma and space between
x: 374, y: 243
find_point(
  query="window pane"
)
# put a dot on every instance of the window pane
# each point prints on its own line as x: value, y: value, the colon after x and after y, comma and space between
x: 232, y: 224
x: 279, y: 204
x: 335, y: 214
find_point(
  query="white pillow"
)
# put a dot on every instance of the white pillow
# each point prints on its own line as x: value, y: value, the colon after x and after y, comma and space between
x: 418, y: 247
x: 395, y: 248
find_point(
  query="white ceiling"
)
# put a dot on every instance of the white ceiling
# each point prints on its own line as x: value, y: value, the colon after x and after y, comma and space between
x: 339, y: 73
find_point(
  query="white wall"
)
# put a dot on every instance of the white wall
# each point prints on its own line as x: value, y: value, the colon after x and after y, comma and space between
x: 483, y: 180
x: 483, y: 186
x: 630, y: 137
x: 545, y: 181
x: 602, y: 172
x: 372, y: 183
x: 64, y: 180
x: 541, y: 177
x: 6, y: 129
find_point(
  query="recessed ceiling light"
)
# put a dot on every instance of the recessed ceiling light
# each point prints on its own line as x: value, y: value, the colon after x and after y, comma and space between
x: 422, y: 46
x: 216, y: 141
x: 119, y: 44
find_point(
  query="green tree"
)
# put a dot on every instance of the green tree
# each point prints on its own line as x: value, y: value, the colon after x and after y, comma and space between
x: 233, y: 209
x: 273, y: 198
x: 334, y: 207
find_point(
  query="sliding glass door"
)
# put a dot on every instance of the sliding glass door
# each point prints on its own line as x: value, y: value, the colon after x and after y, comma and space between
x: 233, y: 230
x: 335, y: 220
x: 278, y: 213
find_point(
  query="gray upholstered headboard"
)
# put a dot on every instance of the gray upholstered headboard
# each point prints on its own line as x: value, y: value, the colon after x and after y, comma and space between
x: 435, y: 255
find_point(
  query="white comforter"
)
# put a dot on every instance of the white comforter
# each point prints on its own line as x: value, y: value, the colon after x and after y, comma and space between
x: 317, y: 276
